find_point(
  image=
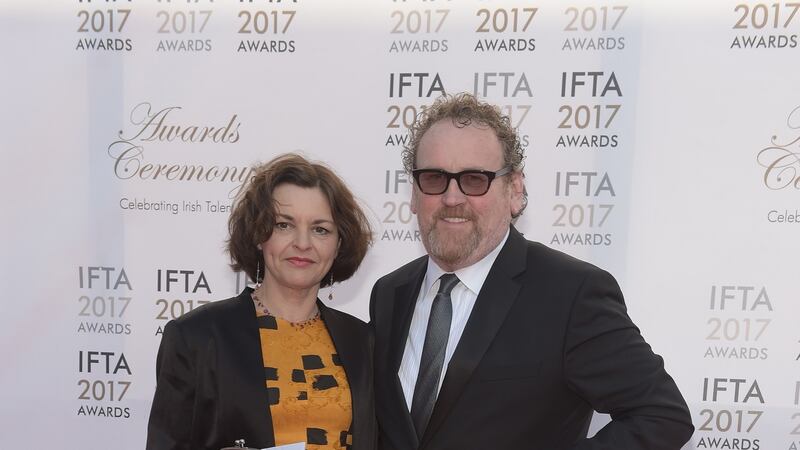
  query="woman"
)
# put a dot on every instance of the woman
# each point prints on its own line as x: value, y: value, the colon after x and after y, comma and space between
x: 274, y: 365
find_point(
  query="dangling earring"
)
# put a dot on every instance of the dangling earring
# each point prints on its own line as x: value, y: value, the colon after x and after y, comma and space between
x: 258, y: 275
x: 330, y: 285
x: 258, y: 267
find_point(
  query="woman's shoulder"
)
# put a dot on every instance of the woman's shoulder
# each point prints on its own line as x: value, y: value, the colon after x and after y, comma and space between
x: 334, y: 315
x: 220, y: 310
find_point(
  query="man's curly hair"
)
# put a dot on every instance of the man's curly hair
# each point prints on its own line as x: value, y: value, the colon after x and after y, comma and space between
x: 464, y: 110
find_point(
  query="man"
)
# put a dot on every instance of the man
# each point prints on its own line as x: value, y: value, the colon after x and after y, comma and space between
x: 518, y: 349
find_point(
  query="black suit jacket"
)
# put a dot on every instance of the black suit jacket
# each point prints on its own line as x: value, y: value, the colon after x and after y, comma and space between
x: 548, y: 341
x: 210, y: 379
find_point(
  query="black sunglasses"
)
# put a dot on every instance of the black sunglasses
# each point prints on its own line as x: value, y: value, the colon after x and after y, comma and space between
x: 471, y: 182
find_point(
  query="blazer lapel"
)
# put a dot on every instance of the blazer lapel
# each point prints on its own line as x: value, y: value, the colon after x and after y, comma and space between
x: 354, y: 352
x: 246, y: 380
x: 494, y: 301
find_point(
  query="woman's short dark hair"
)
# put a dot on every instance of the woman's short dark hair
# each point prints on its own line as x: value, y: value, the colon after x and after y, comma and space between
x: 254, y: 213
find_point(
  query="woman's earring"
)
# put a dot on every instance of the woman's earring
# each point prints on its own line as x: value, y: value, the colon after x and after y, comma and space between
x: 330, y: 288
x: 258, y: 275
x: 258, y: 267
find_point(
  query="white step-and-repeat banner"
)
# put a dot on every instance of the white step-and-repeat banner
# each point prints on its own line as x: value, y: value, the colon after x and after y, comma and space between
x: 663, y: 144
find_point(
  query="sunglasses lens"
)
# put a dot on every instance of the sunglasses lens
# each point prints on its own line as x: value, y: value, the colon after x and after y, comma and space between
x: 432, y: 182
x: 474, y: 183
x: 435, y: 182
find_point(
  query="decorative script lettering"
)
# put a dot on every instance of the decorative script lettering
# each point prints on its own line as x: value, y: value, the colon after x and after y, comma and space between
x: 781, y: 159
x: 150, y: 125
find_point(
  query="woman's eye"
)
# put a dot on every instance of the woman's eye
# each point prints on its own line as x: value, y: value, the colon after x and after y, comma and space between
x: 321, y: 230
x: 282, y: 226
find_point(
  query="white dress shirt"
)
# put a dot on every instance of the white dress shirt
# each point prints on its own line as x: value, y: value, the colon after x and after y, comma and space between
x: 463, y: 299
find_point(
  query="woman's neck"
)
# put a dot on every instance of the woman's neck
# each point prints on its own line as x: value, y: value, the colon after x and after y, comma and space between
x: 293, y: 305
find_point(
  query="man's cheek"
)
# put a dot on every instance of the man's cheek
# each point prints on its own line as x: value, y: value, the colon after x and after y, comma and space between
x: 414, y: 200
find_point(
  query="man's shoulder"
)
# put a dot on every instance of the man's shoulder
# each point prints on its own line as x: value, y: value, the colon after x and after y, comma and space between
x: 404, y: 272
x: 551, y: 260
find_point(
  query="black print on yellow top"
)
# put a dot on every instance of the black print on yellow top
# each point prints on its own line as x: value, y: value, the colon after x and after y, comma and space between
x: 267, y: 322
x: 312, y: 362
x: 309, y: 397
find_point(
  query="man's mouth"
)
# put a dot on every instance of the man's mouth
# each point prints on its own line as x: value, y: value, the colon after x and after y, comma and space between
x: 455, y: 219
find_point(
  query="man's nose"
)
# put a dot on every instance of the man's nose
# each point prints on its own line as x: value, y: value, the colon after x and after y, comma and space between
x: 453, y: 195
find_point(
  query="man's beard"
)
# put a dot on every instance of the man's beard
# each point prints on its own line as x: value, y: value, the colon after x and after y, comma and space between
x: 450, y: 249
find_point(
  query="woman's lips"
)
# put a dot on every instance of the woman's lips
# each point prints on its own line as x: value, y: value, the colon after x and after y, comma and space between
x: 300, y: 262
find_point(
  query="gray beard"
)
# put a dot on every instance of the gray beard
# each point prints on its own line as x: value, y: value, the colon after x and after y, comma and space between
x: 450, y: 252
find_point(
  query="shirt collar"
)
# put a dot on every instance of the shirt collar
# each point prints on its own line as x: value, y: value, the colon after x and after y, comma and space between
x: 471, y: 276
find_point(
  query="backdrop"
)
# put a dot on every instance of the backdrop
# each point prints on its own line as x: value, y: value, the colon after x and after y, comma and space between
x: 662, y: 140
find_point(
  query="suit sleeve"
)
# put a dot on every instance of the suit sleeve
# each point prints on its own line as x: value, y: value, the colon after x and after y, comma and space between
x: 169, y: 427
x: 608, y: 363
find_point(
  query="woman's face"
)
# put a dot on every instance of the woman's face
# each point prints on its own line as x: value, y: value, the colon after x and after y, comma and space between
x: 304, y: 238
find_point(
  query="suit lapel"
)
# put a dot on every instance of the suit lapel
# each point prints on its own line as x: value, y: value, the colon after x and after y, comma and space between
x: 494, y: 301
x: 405, y: 298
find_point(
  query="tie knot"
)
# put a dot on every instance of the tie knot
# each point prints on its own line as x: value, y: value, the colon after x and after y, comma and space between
x: 447, y: 282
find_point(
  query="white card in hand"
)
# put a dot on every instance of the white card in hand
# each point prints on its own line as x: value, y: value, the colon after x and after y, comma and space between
x: 295, y: 446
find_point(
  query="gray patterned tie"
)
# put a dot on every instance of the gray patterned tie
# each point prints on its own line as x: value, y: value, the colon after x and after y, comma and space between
x: 433, y: 350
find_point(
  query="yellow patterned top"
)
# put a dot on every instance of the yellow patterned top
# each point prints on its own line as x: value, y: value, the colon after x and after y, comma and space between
x: 309, y: 397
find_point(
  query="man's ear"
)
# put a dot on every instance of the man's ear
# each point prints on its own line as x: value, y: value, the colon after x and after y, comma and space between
x: 414, y: 198
x: 517, y: 188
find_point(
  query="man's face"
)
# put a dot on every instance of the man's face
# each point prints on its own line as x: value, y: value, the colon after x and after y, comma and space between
x: 458, y: 230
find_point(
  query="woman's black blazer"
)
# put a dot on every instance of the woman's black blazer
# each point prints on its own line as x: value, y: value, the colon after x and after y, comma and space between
x: 211, y: 384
